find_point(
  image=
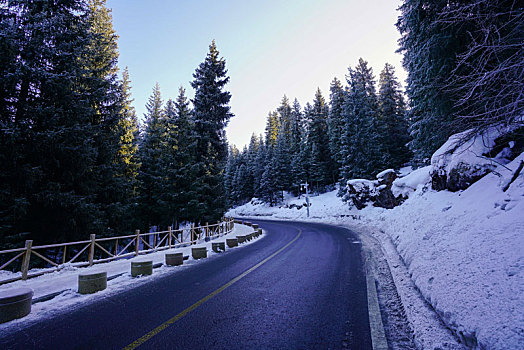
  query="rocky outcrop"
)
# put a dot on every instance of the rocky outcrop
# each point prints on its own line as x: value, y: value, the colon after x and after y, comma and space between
x: 467, y: 157
x: 361, y: 192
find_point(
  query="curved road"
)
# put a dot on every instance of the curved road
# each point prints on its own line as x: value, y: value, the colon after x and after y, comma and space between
x: 301, y: 286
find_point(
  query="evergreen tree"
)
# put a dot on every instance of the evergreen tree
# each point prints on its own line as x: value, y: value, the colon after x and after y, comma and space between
x: 336, y: 122
x: 229, y: 175
x: 362, y: 154
x: 268, y: 189
x: 297, y: 135
x: 260, y: 165
x: 51, y: 101
x: 272, y: 127
x: 152, y: 155
x: 109, y: 103
x: 430, y: 51
x: 251, y: 163
x: 128, y: 162
x: 284, y: 118
x: 211, y: 115
x: 392, y: 114
x: 321, y: 167
x: 281, y: 162
x: 183, y: 172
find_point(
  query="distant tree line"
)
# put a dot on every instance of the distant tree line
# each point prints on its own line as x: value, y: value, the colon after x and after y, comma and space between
x: 72, y: 158
x: 356, y: 134
x: 465, y: 68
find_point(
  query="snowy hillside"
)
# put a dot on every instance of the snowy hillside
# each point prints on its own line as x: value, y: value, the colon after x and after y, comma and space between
x: 464, y: 250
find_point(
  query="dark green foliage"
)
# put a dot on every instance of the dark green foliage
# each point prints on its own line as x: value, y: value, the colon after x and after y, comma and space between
x: 430, y: 52
x: 211, y: 114
x: 181, y: 170
x: 321, y: 167
x: 153, y: 161
x: 392, y: 119
x: 58, y: 116
x: 336, y: 122
x: 362, y: 152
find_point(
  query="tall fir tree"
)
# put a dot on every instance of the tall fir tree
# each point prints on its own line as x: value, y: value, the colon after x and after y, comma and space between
x: 260, y: 165
x: 152, y: 156
x: 321, y: 169
x: 430, y: 51
x: 184, y: 194
x: 392, y: 117
x: 128, y: 162
x: 56, y: 108
x: 109, y: 117
x: 211, y: 115
x: 336, y: 123
x: 362, y: 153
x: 272, y: 128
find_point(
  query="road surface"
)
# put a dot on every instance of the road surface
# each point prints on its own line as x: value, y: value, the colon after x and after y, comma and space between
x: 301, y: 286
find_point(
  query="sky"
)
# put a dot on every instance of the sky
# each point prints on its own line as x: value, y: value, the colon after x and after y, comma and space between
x: 272, y: 48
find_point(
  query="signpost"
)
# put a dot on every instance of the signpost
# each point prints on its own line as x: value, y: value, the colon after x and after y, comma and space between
x: 306, y: 187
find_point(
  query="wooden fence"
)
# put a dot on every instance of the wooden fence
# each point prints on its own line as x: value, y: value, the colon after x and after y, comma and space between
x: 99, y: 250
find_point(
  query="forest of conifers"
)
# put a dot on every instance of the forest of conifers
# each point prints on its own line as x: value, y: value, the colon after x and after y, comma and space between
x: 75, y: 160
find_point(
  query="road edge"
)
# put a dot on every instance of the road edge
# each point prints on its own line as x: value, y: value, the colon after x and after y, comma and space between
x: 378, y: 334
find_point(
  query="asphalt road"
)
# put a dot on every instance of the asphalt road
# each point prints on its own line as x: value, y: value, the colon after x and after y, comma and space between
x: 301, y: 286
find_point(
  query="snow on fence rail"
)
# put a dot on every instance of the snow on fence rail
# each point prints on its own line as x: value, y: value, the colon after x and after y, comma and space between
x: 99, y: 250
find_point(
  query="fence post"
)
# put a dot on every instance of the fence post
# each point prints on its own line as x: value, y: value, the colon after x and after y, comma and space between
x: 169, y: 237
x: 137, y: 241
x: 219, y: 228
x: 192, y: 233
x: 92, y: 250
x: 27, y: 256
x: 207, y: 229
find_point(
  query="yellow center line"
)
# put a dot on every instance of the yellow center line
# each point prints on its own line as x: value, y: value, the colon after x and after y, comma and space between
x: 169, y: 322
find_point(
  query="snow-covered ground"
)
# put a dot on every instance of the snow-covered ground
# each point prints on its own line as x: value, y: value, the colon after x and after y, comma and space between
x: 463, y: 250
x: 67, y: 280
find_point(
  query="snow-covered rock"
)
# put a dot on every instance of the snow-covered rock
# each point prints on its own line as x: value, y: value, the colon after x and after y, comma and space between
x: 465, y: 158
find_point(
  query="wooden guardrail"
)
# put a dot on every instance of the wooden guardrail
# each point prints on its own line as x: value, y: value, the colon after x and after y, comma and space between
x: 106, y: 249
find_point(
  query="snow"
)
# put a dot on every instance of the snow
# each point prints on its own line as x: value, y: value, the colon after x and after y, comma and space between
x: 464, y: 251
x: 409, y: 183
x: 384, y: 173
x: 67, y: 279
x: 456, y: 155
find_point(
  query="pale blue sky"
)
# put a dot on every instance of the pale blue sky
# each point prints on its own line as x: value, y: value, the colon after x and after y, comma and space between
x: 271, y: 48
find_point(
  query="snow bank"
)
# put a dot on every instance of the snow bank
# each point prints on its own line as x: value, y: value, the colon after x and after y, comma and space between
x: 408, y: 184
x: 66, y: 280
x: 458, y: 164
x: 464, y: 250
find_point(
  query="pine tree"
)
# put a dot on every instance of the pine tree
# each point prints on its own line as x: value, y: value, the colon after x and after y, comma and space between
x: 183, y: 172
x: 260, y: 165
x: 362, y: 154
x: 284, y: 118
x: 229, y: 176
x: 268, y: 189
x: 211, y: 115
x: 392, y: 117
x: 108, y: 101
x: 297, y: 135
x: 272, y: 127
x: 51, y: 176
x: 281, y: 161
x: 430, y: 51
x: 336, y: 123
x: 321, y: 167
x: 152, y: 155
x: 128, y: 163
